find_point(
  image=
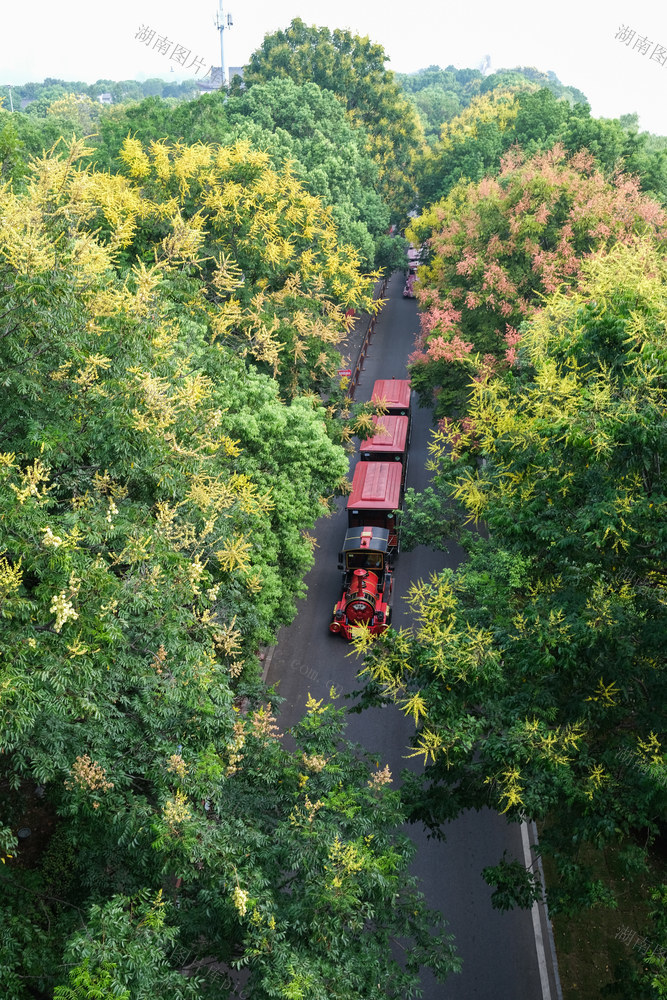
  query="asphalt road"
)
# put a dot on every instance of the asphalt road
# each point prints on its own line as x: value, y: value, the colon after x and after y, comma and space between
x: 501, y: 960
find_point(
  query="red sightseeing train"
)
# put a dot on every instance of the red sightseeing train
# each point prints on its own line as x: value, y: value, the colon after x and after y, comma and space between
x: 371, y: 542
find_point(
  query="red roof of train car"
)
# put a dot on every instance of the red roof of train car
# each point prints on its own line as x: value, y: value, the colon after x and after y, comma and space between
x: 376, y: 486
x: 395, y: 392
x: 391, y: 434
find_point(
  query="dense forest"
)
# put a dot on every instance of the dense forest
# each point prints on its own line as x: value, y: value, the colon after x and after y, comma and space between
x: 178, y: 273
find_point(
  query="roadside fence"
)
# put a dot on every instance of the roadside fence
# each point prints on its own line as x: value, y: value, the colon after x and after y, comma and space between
x: 380, y: 289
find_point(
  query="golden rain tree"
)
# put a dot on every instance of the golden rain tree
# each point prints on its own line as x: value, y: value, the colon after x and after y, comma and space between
x: 277, y: 281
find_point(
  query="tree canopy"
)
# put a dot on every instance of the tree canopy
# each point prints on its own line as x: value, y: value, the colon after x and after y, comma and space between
x: 495, y: 248
x: 354, y: 69
x: 515, y: 112
x: 156, y: 491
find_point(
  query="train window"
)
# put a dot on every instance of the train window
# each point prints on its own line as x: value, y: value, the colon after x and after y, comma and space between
x: 364, y: 560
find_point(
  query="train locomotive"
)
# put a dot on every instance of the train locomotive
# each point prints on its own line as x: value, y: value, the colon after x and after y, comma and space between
x: 371, y: 542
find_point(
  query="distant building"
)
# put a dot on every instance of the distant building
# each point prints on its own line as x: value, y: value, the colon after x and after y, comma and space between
x: 214, y: 79
x: 485, y: 66
x: 105, y: 98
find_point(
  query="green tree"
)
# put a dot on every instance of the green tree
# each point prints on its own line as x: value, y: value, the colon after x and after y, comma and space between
x: 470, y: 145
x: 309, y: 127
x: 514, y: 112
x: 435, y: 106
x: 301, y: 125
x: 198, y: 442
x: 354, y: 69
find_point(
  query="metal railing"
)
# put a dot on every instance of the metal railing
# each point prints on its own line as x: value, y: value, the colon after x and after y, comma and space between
x: 365, y: 344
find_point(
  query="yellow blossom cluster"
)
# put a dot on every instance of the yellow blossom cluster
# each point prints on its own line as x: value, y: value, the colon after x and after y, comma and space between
x: 63, y: 609
x: 11, y: 577
x: 380, y: 777
x: 314, y: 762
x: 176, y: 765
x: 235, y: 746
x: 240, y: 900
x: 176, y: 811
x: 263, y: 724
x: 88, y: 775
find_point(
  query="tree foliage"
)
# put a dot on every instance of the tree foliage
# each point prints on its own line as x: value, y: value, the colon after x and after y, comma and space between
x: 442, y: 94
x: 297, y: 124
x: 278, y: 279
x: 497, y: 247
x: 330, y: 154
x: 515, y: 112
x: 354, y: 69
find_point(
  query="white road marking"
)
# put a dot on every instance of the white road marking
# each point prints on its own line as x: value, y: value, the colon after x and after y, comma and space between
x: 537, y: 924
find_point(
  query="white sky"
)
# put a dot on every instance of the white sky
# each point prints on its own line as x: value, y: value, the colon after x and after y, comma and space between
x: 80, y: 39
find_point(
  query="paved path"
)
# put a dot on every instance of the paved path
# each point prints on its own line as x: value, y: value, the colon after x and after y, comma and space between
x: 500, y: 959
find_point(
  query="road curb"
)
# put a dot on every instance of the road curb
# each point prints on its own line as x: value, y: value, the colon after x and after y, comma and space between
x: 547, y: 963
x: 268, y: 656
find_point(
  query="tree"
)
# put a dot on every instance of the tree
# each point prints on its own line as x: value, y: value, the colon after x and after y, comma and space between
x: 470, y: 145
x: 278, y: 279
x: 78, y: 109
x: 497, y: 247
x: 353, y: 68
x: 168, y: 418
x: 535, y: 672
x: 309, y: 128
x: 435, y: 106
x: 514, y: 112
x: 155, y: 499
x: 441, y: 95
x: 297, y: 124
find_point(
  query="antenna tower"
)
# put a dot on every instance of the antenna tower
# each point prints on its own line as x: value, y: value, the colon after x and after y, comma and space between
x: 222, y: 21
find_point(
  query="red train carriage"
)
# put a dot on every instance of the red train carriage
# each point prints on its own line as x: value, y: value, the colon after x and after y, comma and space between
x: 367, y: 581
x: 394, y: 395
x: 389, y: 443
x: 376, y: 496
x: 371, y: 543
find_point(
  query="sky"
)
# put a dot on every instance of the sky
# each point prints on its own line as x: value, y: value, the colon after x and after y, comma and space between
x: 84, y: 40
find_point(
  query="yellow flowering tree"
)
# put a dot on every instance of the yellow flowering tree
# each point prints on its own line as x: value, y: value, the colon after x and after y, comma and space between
x: 277, y: 281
